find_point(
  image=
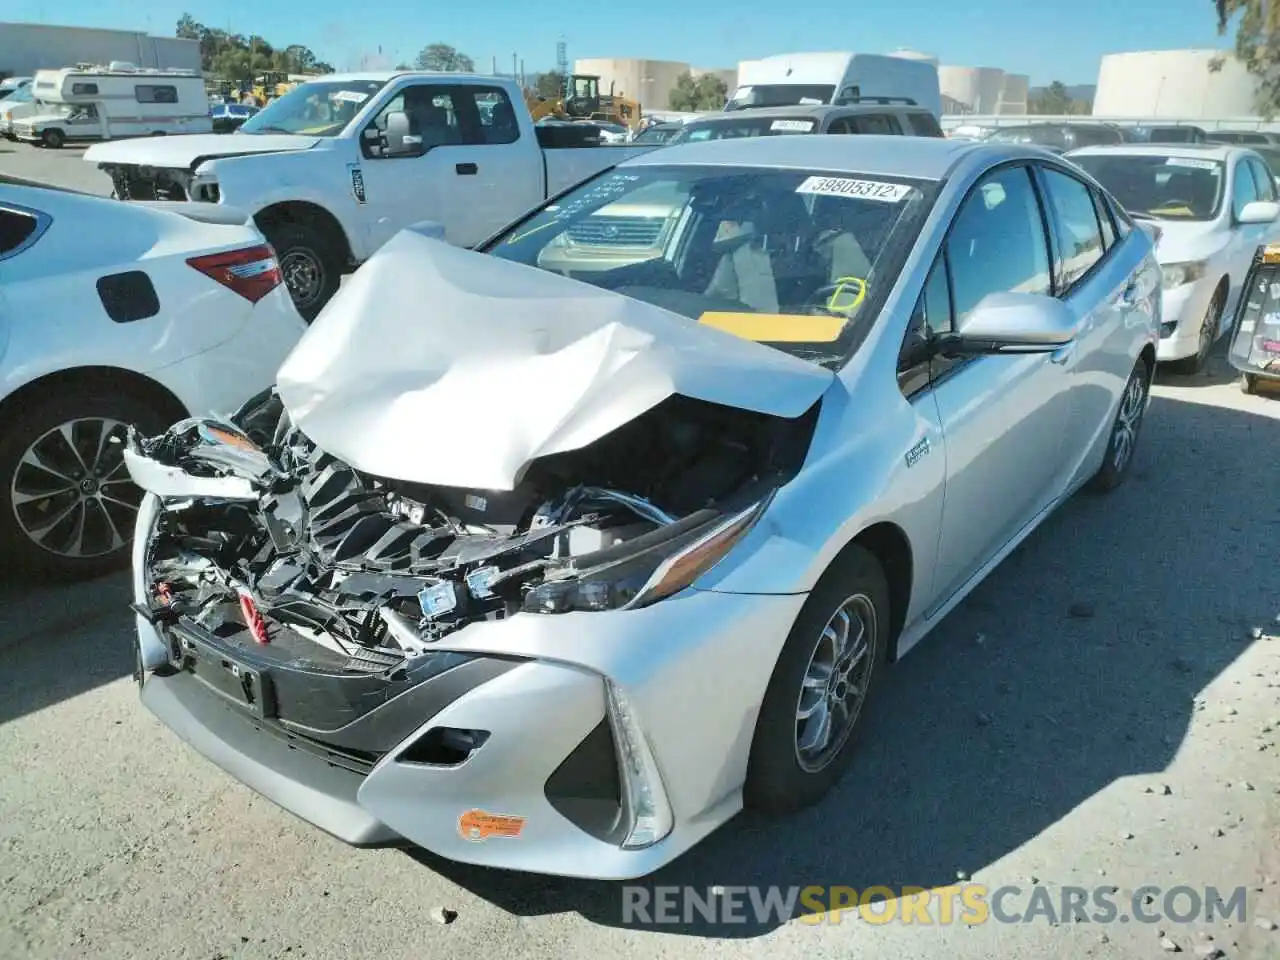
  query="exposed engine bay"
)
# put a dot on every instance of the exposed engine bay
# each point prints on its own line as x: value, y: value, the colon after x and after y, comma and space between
x: 260, y: 530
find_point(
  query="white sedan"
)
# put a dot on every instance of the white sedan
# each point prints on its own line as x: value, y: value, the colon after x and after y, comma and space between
x: 1212, y: 206
x: 112, y: 314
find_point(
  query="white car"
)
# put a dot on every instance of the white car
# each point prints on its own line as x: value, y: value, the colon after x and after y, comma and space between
x: 1212, y: 206
x: 112, y: 314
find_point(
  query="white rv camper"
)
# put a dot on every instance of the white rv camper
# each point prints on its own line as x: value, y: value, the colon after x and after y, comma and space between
x: 790, y: 79
x: 106, y: 103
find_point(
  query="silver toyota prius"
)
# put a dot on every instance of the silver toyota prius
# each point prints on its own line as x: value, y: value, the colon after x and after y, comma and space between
x: 554, y: 554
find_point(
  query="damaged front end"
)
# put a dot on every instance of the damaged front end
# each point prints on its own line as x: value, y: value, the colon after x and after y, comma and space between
x: 262, y: 537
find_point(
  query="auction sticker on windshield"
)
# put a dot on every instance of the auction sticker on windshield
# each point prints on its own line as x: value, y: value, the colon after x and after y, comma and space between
x: 349, y: 96
x: 1194, y: 163
x: 792, y: 126
x: 858, y: 189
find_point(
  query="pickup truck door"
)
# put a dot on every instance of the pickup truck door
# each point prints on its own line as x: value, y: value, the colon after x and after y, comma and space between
x: 503, y: 175
x: 395, y: 192
x: 468, y: 179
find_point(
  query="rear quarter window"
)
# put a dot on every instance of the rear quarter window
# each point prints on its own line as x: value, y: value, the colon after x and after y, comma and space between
x: 15, y: 229
x: 925, y: 125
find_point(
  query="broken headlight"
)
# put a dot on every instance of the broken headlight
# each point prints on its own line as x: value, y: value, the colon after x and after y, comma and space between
x: 648, y: 575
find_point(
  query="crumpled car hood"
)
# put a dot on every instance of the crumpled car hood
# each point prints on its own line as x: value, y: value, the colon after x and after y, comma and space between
x: 435, y: 364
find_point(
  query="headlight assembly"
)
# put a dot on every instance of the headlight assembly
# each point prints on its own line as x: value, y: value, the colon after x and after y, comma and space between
x: 1179, y: 274
x: 641, y: 577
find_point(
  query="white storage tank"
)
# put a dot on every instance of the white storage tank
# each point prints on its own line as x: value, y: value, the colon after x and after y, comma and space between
x: 975, y: 89
x: 1175, y: 84
x: 1014, y: 93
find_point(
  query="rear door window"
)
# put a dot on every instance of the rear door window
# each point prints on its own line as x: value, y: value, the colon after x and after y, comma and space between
x: 873, y: 123
x: 1075, y: 220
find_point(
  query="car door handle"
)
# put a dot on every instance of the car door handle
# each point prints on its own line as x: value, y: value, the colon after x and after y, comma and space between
x: 1129, y: 296
x: 466, y: 169
x: 1063, y: 354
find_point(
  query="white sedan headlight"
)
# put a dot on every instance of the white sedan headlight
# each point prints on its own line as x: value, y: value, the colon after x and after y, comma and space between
x: 1178, y: 274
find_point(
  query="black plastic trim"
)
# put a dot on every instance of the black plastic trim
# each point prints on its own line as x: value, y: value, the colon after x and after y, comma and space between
x: 586, y: 789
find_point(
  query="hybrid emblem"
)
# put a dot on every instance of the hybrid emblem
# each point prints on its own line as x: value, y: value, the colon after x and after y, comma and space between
x: 915, y: 453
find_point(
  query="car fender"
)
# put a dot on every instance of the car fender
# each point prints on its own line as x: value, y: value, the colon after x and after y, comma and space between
x: 855, y: 469
x: 318, y: 177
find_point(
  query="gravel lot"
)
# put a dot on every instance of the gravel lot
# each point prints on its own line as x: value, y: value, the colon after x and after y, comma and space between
x: 1033, y: 735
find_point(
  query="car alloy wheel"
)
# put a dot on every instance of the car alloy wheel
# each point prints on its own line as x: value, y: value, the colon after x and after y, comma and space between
x: 303, y: 276
x: 71, y: 492
x: 1128, y: 421
x: 835, y: 683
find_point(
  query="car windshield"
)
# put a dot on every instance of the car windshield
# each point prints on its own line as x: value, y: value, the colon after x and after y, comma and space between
x: 745, y: 126
x: 656, y: 135
x: 319, y: 108
x: 1270, y: 154
x: 21, y: 95
x: 780, y: 95
x: 1040, y: 136
x: 1165, y: 187
x: 800, y: 260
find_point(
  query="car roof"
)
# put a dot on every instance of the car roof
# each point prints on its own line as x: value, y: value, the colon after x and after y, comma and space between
x: 1205, y: 151
x: 816, y: 111
x: 919, y: 158
x: 386, y: 76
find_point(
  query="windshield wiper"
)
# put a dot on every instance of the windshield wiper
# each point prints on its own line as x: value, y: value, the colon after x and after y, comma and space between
x: 1141, y: 216
x: 266, y: 129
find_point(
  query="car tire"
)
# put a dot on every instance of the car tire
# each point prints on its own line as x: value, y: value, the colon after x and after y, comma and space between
x: 1209, y: 329
x: 1248, y: 383
x: 53, y: 139
x: 1125, y: 430
x: 29, y: 495
x: 782, y: 776
x: 309, y: 263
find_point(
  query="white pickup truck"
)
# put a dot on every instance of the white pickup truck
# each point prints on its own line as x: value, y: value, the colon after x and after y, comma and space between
x: 335, y: 168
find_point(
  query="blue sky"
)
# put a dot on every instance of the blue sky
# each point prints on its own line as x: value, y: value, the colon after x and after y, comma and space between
x: 1060, y: 41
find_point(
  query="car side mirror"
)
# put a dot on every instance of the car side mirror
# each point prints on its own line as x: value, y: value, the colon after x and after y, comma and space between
x: 1012, y: 323
x: 1259, y: 211
x: 397, y: 141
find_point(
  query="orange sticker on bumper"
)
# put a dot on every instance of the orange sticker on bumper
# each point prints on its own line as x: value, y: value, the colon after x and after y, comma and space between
x: 777, y: 327
x: 478, y: 825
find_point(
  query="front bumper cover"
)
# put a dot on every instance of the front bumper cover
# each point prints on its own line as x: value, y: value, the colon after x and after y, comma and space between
x: 552, y: 757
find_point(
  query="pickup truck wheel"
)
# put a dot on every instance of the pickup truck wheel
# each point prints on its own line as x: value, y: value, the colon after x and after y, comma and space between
x: 309, y: 264
x: 53, y: 139
x: 67, y: 504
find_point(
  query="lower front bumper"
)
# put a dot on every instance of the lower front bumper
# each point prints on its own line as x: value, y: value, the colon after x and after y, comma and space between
x: 690, y: 671
x: 321, y: 793
x: 1182, y: 310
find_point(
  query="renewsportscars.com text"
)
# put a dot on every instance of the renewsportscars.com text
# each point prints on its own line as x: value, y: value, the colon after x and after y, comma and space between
x: 969, y: 903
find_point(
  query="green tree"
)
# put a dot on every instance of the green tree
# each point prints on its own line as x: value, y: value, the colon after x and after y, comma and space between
x: 707, y: 92
x: 233, y: 57
x: 1257, y: 46
x: 1052, y: 101
x: 444, y: 58
x: 549, y: 85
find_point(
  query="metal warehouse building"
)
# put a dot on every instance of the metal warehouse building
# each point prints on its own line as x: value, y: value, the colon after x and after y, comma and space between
x: 28, y: 47
x: 1174, y: 84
